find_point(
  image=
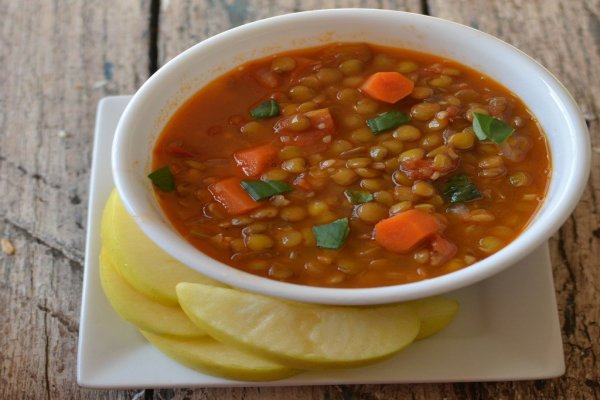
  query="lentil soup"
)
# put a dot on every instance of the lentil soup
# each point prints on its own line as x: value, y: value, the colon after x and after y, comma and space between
x: 351, y: 165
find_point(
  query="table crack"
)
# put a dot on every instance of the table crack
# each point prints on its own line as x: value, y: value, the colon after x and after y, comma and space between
x: 47, y: 352
x: 33, y: 175
x: 425, y: 7
x: 153, y: 30
x: 569, y: 312
x: 70, y: 325
x: 74, y: 261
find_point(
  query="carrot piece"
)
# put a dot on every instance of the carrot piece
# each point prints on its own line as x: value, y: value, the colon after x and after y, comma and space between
x: 230, y: 194
x: 255, y: 160
x: 388, y: 86
x: 404, y: 231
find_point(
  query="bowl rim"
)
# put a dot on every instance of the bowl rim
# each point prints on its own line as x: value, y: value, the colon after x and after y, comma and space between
x: 169, y: 240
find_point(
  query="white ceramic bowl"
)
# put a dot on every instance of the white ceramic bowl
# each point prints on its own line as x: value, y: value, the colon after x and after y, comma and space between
x: 167, y: 89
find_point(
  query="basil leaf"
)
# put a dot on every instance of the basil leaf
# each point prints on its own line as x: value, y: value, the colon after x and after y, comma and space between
x: 387, y: 120
x: 260, y: 190
x: 459, y: 189
x: 266, y: 109
x: 487, y: 127
x: 332, y: 235
x: 358, y: 196
x: 163, y: 178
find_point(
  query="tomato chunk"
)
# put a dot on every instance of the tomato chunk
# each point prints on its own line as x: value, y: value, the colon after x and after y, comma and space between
x: 321, y: 125
x: 441, y: 250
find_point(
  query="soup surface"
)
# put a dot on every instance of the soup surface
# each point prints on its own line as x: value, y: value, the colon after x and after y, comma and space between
x: 351, y: 165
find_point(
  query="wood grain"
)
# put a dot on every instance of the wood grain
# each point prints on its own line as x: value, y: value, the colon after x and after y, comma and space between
x: 544, y: 30
x: 565, y: 38
x: 59, y: 58
x: 187, y: 22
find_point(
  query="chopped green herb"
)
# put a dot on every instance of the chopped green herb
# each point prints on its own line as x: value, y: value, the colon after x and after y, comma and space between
x: 261, y: 190
x: 487, y: 127
x: 163, y: 178
x: 332, y: 235
x: 358, y: 196
x: 266, y: 109
x: 459, y: 189
x: 386, y: 121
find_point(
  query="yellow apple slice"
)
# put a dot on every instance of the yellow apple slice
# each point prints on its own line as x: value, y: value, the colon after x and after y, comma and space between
x: 435, y: 314
x: 299, y: 335
x: 138, y: 309
x: 207, y: 355
x: 143, y: 264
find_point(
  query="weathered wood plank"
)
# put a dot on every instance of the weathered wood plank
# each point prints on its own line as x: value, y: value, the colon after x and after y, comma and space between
x: 184, y: 23
x: 65, y: 58
x: 544, y: 30
x: 59, y: 58
x: 39, y: 328
x: 565, y: 38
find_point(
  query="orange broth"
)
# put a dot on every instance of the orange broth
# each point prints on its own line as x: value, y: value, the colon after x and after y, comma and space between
x: 404, y: 168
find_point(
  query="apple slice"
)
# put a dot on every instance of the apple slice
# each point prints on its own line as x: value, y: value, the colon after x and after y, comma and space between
x: 299, y: 335
x: 143, y: 264
x: 142, y: 312
x: 435, y: 314
x: 207, y: 355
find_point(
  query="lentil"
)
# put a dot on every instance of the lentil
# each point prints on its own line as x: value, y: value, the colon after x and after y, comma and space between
x: 321, y: 147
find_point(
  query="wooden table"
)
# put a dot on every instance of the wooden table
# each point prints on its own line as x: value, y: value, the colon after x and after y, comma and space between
x: 59, y: 58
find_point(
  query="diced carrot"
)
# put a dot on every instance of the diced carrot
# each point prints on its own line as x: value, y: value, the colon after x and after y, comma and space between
x: 230, y: 194
x: 402, y: 232
x: 255, y: 160
x: 388, y: 86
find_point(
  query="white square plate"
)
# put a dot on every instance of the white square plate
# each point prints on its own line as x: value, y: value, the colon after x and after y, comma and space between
x: 507, y: 327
